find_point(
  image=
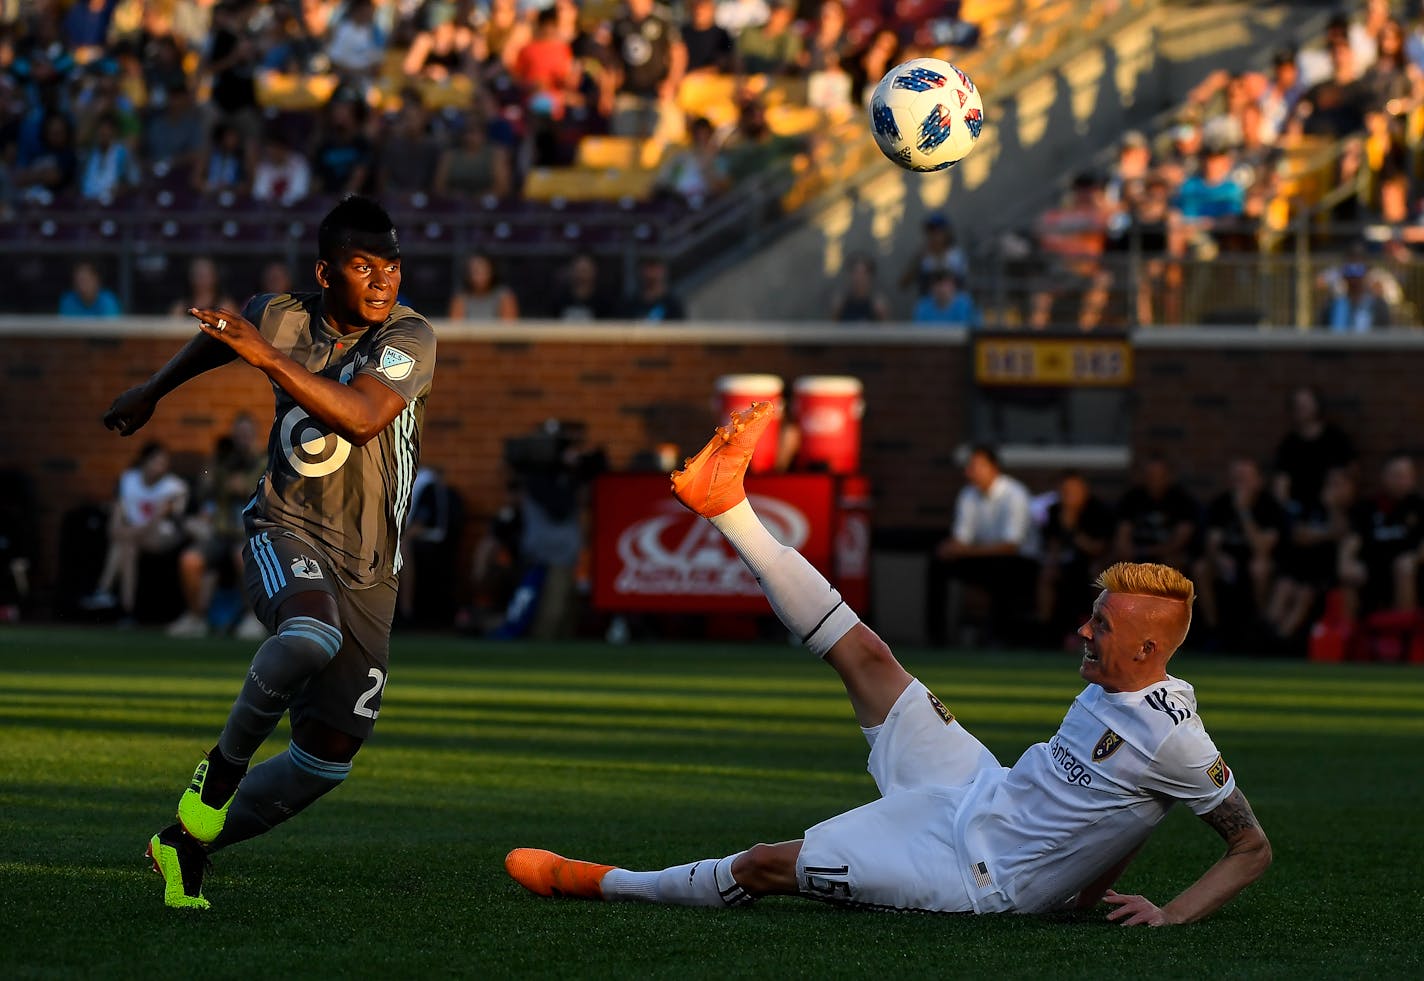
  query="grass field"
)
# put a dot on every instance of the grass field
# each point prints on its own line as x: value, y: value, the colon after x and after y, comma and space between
x: 649, y: 756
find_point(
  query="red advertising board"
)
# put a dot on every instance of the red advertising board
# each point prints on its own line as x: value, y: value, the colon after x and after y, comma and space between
x: 651, y: 554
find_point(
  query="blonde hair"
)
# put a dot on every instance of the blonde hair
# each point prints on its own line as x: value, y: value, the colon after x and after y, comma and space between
x: 1148, y: 579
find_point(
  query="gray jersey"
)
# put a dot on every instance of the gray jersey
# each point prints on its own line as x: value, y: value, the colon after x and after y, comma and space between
x: 350, y: 501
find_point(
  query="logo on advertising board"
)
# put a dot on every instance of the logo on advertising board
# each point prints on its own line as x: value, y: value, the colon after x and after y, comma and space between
x: 674, y: 552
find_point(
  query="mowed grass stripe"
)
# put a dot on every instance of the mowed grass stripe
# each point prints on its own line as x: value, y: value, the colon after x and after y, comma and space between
x: 654, y: 755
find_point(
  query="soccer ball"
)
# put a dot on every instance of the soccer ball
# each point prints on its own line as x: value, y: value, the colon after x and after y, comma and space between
x: 926, y: 115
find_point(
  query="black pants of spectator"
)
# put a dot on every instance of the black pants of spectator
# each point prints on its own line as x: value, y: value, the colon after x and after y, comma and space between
x: 1007, y: 580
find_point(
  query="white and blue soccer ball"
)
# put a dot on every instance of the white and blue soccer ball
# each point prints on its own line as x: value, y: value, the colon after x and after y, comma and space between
x: 926, y: 115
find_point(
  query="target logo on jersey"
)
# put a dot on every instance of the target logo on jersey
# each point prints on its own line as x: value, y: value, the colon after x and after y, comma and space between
x: 310, y: 449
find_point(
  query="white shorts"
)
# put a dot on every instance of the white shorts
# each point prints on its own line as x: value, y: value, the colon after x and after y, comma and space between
x: 898, y: 852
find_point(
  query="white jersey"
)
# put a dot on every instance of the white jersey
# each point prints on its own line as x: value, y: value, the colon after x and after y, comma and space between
x: 140, y: 502
x: 1032, y: 836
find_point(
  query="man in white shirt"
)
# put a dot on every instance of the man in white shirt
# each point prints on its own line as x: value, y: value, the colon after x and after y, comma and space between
x: 989, y: 548
x: 953, y: 830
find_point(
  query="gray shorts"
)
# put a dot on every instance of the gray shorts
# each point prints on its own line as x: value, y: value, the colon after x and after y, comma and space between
x: 346, y: 694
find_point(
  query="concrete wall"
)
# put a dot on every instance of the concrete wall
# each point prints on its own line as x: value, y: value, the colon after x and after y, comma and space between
x: 1040, y: 130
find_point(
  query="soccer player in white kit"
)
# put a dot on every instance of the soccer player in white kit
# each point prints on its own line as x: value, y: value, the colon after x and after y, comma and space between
x: 953, y: 830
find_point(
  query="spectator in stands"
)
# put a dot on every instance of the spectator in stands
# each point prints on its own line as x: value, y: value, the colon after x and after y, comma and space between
x: 1315, y: 62
x: 872, y: 62
x: 773, y: 48
x: 1073, y: 238
x: 1156, y: 519
x: 652, y: 59
x: 1243, y: 528
x: 409, y: 152
x: 1365, y: 32
x: 357, y: 44
x: 1212, y: 197
x: 204, y: 289
x: 861, y: 300
x: 938, y: 253
x: 88, y: 297
x: 108, y: 169
x: 446, y: 46
x: 1357, y: 307
x: 1379, y: 558
x: 215, y: 529
x: 344, y: 160
x: 1312, y: 448
x: 225, y: 164
x: 428, y: 549
x: 579, y: 297
x: 1282, y: 92
x: 1128, y: 179
x: 947, y: 304
x: 281, y: 174
x: 276, y: 277
x: 1183, y: 158
x: 828, y: 46
x: 751, y: 147
x: 144, y: 519
x: 481, y: 297
x: 546, y: 68
x: 1076, y: 535
x: 232, y: 57
x: 1309, y: 558
x: 1393, y: 82
x: 173, y: 137
x: 1151, y: 230
x: 505, y: 33
x: 474, y: 166
x: 709, y: 47
x: 86, y: 27
x: 1335, y: 107
x: 162, y: 60
x: 988, y: 549
x: 698, y: 171
x: 48, y: 172
x: 653, y: 299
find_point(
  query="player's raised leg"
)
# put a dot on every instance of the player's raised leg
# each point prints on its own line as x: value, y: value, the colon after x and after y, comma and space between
x: 711, y: 484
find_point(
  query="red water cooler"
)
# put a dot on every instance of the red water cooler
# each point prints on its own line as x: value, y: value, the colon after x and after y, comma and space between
x: 828, y: 409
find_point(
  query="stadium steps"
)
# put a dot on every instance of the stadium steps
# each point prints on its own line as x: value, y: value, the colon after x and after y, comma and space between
x: 1050, y: 119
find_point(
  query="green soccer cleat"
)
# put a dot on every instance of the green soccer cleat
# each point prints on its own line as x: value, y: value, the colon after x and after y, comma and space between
x: 201, y: 820
x: 182, y: 864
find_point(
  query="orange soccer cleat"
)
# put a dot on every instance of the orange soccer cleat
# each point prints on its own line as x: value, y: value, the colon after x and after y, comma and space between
x: 711, y: 482
x: 553, y: 875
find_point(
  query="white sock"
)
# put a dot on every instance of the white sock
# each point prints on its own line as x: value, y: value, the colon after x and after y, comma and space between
x: 809, y: 606
x: 705, y: 883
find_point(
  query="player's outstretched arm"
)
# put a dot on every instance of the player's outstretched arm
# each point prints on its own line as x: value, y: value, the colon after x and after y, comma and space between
x: 355, y: 412
x: 135, y: 407
x: 1248, y: 855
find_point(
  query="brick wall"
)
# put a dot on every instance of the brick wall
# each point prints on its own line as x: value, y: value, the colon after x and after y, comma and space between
x: 633, y: 387
x: 1201, y: 396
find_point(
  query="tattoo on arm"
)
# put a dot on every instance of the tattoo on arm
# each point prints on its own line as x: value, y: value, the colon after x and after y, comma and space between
x: 1232, y: 817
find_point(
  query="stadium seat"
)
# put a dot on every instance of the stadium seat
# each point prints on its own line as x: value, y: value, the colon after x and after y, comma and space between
x: 619, y: 152
x: 283, y: 91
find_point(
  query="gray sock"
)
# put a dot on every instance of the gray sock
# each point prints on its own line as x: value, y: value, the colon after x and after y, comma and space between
x: 276, y: 790
x: 283, y: 664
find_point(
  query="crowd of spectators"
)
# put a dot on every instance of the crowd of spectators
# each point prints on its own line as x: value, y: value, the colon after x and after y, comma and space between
x: 282, y: 100
x: 1265, y: 548
x: 1328, y: 131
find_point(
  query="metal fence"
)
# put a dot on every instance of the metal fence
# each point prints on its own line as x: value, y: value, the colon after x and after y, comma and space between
x: 1298, y: 283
